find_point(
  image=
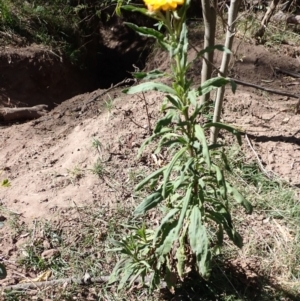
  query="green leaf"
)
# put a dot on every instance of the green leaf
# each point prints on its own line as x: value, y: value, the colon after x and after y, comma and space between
x: 220, y: 235
x: 3, y: 272
x: 168, y: 237
x: 169, y: 169
x: 182, y: 46
x: 155, y: 174
x: 211, y: 84
x: 221, y: 181
x: 149, y: 86
x: 115, y: 275
x: 128, y: 271
x: 171, y: 143
x: 180, y: 254
x: 200, y: 135
x: 184, y: 39
x: 173, y: 234
x: 226, y: 127
x: 175, y: 101
x: 142, y: 10
x: 223, y: 217
x: 212, y: 48
x: 167, y: 139
x: 149, y: 202
x: 199, y: 242
x: 146, y: 31
x: 233, y: 85
x: 194, y: 228
x: 151, y: 138
x: 134, y: 278
x: 148, y: 75
x: 5, y: 183
x: 167, y: 219
x: 239, y: 198
x: 192, y: 96
x: 183, y: 173
x: 163, y: 122
x: 133, y: 8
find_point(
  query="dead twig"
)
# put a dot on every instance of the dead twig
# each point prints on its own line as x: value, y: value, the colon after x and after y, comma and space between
x: 126, y: 81
x: 71, y: 280
x: 261, y: 167
x: 288, y: 72
x: 138, y: 125
x: 147, y: 112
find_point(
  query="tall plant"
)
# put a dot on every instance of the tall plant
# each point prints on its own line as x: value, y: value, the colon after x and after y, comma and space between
x: 191, y: 190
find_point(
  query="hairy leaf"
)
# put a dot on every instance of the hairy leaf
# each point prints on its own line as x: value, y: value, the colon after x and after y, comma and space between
x: 223, y: 217
x: 151, y: 138
x: 149, y: 75
x: 169, y: 169
x: 149, y: 86
x: 226, y: 127
x: 192, y: 96
x: 199, y: 133
x: 168, y: 237
x: 212, y: 48
x: 180, y: 254
x: 199, y: 241
x: 152, y: 176
x: 149, y: 202
x: 211, y: 84
x: 173, y: 234
x: 127, y: 273
x: 145, y: 31
x: 221, y: 181
x: 175, y: 101
x: 163, y: 122
x: 239, y: 198
x: 167, y: 219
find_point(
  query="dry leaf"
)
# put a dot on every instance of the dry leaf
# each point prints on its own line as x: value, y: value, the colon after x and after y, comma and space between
x: 42, y: 277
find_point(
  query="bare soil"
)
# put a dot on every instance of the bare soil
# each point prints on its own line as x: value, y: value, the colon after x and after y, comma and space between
x: 50, y: 161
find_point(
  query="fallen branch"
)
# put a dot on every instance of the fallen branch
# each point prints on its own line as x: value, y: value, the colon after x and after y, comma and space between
x: 126, y: 81
x: 23, y: 113
x: 287, y: 72
x: 79, y: 281
x: 283, y: 93
x: 44, y: 284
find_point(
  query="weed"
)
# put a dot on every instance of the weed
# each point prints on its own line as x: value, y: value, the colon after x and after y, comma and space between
x: 109, y: 104
x: 135, y: 176
x: 75, y: 174
x: 5, y: 183
x: 99, y: 169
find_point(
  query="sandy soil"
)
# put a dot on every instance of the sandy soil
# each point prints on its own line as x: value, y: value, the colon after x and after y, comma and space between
x: 49, y: 161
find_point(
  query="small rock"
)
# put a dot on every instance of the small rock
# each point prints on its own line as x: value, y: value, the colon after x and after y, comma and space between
x: 285, y: 120
x: 47, y: 254
x: 46, y: 244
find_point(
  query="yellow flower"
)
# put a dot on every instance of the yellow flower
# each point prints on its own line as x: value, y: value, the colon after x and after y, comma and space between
x: 154, y: 5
